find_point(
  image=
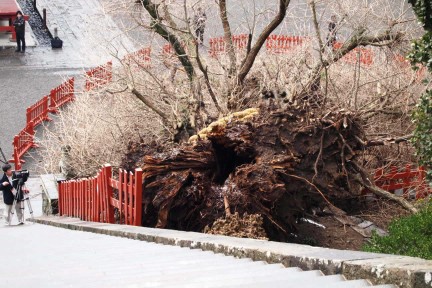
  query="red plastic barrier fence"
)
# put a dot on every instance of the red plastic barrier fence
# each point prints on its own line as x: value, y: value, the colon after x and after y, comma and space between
x: 168, y: 50
x: 61, y: 95
x: 98, y: 76
x: 408, y: 180
x: 38, y: 112
x: 420, y: 73
x: 281, y: 44
x: 366, y: 55
x: 218, y: 45
x: 140, y: 58
x: 22, y: 142
x: 93, y: 199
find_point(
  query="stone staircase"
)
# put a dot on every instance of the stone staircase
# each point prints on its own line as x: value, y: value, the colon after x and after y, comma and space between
x: 55, y: 257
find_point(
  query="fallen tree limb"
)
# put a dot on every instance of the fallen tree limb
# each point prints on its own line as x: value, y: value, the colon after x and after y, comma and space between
x: 385, y: 141
x: 364, y: 180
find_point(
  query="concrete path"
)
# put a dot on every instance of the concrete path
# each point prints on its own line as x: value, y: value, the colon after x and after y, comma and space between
x: 45, y: 256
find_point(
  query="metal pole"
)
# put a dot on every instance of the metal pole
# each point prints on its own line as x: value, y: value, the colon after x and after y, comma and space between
x: 34, y: 5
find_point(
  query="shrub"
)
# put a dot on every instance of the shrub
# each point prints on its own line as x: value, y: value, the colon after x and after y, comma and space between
x: 422, y: 134
x: 410, y: 236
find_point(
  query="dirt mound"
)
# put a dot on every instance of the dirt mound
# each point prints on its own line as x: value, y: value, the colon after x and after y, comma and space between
x: 247, y: 226
x: 279, y: 163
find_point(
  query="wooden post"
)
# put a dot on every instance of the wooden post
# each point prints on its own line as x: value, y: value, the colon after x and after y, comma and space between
x: 44, y: 19
x: 109, y: 192
x: 138, y: 196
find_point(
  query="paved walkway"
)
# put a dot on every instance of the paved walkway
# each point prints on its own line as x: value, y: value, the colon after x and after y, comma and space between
x: 44, y: 256
x: 26, y: 78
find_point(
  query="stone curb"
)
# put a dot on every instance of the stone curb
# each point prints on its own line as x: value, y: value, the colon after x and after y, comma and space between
x: 402, y: 271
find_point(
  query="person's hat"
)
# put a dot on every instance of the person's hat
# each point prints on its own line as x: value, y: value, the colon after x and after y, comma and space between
x: 6, y: 167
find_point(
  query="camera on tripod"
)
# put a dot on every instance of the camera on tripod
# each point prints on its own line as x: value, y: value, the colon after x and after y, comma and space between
x: 22, y: 176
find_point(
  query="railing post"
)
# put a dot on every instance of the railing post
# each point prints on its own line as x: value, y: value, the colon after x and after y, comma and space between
x: 109, y: 193
x: 138, y: 196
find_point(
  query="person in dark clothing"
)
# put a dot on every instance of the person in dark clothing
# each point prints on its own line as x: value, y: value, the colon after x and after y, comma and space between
x: 331, y: 36
x: 8, y: 186
x: 199, y: 21
x: 19, y: 24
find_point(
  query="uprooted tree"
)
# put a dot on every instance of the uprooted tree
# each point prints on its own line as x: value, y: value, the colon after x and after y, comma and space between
x: 295, y: 130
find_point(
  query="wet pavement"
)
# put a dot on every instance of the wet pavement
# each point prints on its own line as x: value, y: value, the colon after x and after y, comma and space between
x: 26, y: 78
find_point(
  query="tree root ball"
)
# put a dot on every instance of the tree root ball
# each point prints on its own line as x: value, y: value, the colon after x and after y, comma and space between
x: 280, y: 164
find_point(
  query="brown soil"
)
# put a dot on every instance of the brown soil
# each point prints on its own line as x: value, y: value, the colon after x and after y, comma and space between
x: 339, y: 236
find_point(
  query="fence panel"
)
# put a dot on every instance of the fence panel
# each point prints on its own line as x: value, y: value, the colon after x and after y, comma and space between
x: 98, y: 76
x: 94, y: 200
x: 364, y: 55
x: 139, y: 59
x: 38, y: 112
x: 283, y: 44
x: 218, y: 45
x: 22, y: 142
x: 61, y: 95
x: 408, y: 180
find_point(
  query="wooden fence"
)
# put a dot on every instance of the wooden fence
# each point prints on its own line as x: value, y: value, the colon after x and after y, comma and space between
x: 99, y: 198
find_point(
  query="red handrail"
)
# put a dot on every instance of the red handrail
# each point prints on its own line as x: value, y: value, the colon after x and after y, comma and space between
x: 61, y: 95
x: 93, y: 199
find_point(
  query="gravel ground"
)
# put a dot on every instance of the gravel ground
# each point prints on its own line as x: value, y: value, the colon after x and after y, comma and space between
x: 43, y: 36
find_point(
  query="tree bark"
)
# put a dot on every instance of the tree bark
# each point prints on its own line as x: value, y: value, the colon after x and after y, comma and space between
x: 162, y: 30
x: 228, y: 38
x: 250, y: 57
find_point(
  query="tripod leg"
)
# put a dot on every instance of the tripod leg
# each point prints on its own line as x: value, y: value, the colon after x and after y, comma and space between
x: 30, y: 207
x: 12, y: 211
x: 20, y: 214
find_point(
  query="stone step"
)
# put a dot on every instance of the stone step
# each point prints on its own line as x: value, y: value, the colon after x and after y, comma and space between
x: 54, y: 257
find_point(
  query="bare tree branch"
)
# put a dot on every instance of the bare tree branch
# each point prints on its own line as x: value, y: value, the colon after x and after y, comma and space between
x: 359, y: 39
x: 162, y: 30
x: 364, y: 179
x: 250, y: 57
x: 207, y: 81
x: 150, y: 105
